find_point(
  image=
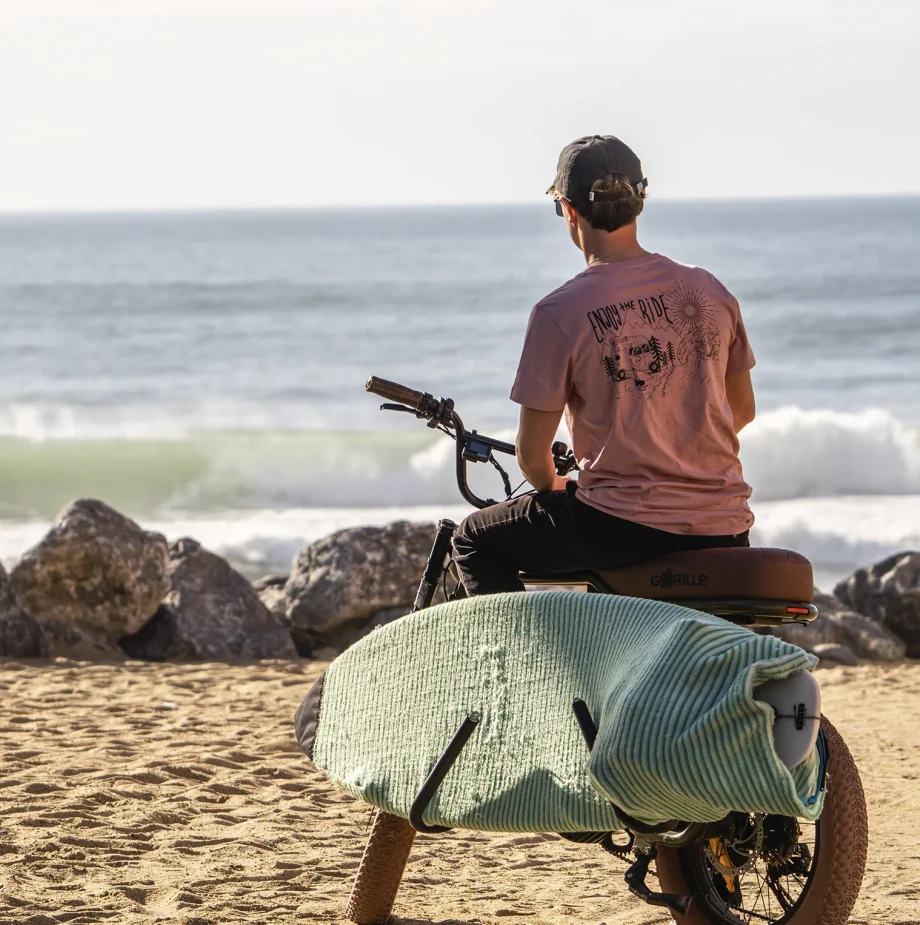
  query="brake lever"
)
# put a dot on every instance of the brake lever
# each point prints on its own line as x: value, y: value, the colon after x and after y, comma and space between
x: 438, y: 412
x: 563, y: 458
x: 565, y: 464
x: 390, y: 406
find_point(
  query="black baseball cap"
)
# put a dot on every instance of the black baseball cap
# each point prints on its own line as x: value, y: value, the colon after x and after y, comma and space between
x: 592, y: 158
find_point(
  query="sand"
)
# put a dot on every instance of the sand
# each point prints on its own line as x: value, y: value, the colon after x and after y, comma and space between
x: 135, y: 793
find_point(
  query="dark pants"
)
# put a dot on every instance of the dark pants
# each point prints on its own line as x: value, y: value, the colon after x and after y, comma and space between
x: 555, y: 532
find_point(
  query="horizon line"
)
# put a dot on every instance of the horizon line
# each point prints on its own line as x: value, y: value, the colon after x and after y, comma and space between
x: 39, y: 212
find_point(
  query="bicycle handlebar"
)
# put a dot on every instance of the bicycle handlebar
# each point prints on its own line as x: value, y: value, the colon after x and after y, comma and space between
x: 471, y: 446
x: 395, y: 392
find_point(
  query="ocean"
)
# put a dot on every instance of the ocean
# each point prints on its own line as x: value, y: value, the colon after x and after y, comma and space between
x: 204, y: 372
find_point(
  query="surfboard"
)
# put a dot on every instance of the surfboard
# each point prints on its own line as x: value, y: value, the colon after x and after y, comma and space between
x: 680, y: 734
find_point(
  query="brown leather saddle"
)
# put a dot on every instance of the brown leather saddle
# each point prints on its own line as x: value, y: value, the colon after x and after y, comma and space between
x: 764, y: 584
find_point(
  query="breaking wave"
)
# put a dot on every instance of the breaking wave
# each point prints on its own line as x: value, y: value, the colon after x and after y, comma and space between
x: 787, y: 453
x: 798, y: 453
x: 842, y: 488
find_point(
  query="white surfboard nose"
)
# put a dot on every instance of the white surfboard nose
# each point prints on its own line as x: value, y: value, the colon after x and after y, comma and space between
x: 796, y: 701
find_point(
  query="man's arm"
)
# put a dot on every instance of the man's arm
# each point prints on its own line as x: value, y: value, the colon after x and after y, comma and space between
x: 536, y: 433
x: 740, y: 393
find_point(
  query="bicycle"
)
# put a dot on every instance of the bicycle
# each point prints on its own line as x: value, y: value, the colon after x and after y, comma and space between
x: 744, y: 868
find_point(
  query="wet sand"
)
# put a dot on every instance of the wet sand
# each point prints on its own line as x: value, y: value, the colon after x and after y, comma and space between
x: 138, y: 793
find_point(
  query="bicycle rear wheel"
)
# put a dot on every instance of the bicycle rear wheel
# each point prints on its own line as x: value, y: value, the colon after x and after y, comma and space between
x: 783, y: 871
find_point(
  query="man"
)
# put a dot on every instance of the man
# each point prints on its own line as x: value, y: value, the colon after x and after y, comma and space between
x: 649, y: 360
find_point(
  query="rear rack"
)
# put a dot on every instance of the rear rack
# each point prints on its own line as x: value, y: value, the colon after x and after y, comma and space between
x: 755, y: 612
x: 750, y: 612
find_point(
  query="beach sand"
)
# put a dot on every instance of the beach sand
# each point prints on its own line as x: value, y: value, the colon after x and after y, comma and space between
x: 135, y: 792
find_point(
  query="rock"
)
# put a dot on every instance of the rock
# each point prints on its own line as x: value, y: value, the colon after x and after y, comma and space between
x: 210, y: 612
x: 356, y: 630
x: 81, y: 643
x: 837, y: 625
x: 843, y: 655
x: 867, y: 638
x: 828, y: 603
x: 819, y: 632
x: 95, y: 569
x: 21, y: 635
x: 351, y: 575
x: 270, y: 591
x: 269, y: 581
x: 889, y: 593
x: 347, y: 636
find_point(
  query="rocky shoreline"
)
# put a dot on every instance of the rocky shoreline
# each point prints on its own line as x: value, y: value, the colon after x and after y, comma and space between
x: 98, y: 586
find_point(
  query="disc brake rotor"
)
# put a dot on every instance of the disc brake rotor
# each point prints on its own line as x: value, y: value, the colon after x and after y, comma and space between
x: 737, y: 854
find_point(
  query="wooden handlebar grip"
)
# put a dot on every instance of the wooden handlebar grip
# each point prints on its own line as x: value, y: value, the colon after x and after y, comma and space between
x: 393, y: 391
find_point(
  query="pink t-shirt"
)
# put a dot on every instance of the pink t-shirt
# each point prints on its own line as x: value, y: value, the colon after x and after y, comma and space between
x: 636, y: 352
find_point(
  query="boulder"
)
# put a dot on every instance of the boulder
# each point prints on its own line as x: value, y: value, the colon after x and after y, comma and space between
x: 827, y: 603
x: 96, y: 570
x: 270, y: 591
x: 866, y: 638
x: 889, y: 593
x: 842, y: 655
x: 340, y: 582
x: 68, y: 640
x: 838, y: 626
x: 354, y: 631
x: 21, y: 635
x: 210, y: 612
x: 819, y: 632
x: 358, y: 629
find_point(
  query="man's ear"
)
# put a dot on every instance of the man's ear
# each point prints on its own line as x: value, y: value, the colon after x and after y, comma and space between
x: 571, y: 213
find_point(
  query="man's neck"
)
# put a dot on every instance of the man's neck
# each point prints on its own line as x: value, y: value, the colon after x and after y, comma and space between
x: 610, y: 246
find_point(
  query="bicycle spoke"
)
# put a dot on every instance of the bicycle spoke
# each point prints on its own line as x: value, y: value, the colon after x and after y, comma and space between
x: 785, y: 900
x: 759, y: 917
x: 760, y: 897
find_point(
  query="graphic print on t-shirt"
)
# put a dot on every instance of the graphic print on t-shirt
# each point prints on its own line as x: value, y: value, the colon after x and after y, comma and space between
x: 650, y: 343
x: 637, y: 355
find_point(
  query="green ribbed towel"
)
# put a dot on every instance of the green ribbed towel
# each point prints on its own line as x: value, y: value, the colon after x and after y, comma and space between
x: 679, y: 733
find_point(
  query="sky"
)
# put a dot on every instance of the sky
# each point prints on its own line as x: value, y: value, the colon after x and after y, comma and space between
x: 181, y: 104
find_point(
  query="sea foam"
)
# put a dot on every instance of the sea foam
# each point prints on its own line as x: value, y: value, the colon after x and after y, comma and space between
x: 798, y: 453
